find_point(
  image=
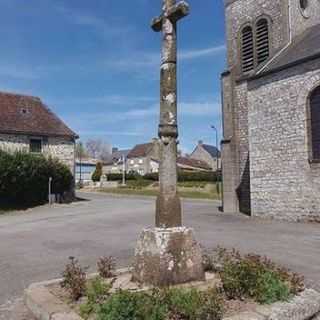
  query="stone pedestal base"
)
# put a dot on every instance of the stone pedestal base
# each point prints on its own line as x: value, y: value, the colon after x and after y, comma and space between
x: 167, y: 257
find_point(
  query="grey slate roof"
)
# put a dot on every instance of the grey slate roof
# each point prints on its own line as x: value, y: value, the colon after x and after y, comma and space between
x: 213, y: 151
x: 119, y: 154
x: 304, y: 46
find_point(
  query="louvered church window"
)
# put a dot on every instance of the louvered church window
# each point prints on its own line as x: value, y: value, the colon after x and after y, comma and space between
x: 315, y: 123
x: 262, y: 40
x: 247, y: 48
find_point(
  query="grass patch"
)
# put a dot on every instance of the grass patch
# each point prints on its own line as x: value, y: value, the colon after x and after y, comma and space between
x: 192, y: 194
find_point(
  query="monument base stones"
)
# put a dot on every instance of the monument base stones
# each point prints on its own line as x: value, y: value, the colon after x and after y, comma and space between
x: 167, y: 256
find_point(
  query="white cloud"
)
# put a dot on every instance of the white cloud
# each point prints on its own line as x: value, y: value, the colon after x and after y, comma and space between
x: 140, y: 61
x: 91, y: 21
x: 199, y: 53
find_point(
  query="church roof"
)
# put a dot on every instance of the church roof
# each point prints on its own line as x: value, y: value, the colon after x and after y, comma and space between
x: 21, y: 114
x: 304, y: 47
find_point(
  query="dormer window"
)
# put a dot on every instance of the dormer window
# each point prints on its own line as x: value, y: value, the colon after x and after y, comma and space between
x: 255, y: 45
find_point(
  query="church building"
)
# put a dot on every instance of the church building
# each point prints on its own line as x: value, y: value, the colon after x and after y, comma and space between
x: 271, y: 109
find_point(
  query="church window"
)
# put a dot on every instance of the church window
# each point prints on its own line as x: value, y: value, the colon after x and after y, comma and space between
x: 247, y: 49
x: 262, y: 41
x: 315, y: 123
x: 304, y: 4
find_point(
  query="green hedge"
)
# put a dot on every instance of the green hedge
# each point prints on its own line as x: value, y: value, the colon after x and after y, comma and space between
x: 24, y: 178
x: 187, y: 176
x: 183, y: 176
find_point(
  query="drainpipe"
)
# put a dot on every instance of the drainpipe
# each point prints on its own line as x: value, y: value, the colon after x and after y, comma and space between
x: 284, y: 48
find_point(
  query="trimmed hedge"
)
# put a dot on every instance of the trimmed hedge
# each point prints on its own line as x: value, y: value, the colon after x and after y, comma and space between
x: 24, y: 178
x: 183, y: 176
x: 187, y: 176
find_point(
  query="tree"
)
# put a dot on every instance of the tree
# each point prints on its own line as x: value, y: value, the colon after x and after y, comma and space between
x: 98, y: 149
x: 81, y: 151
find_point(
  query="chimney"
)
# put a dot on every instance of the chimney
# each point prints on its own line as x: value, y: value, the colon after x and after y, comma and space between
x: 200, y: 142
x: 114, y: 150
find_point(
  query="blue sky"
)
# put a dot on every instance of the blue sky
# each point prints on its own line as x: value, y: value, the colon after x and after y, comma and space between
x: 96, y: 64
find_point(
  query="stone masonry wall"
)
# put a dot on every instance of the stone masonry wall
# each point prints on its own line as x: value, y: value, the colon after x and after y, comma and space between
x: 230, y: 163
x: 240, y: 12
x: 60, y: 148
x: 241, y: 127
x: 284, y: 185
x: 300, y: 20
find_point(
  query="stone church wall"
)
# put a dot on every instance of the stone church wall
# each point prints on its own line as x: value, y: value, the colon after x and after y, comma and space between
x: 60, y: 148
x: 284, y: 185
x: 301, y: 20
x: 241, y: 127
x: 240, y: 12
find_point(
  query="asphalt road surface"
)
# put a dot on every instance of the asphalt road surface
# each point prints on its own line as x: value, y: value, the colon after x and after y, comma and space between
x: 35, y: 245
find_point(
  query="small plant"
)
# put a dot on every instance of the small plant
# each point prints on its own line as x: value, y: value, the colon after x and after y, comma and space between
x: 173, y: 304
x: 256, y: 277
x: 106, y: 267
x: 74, y: 279
x: 97, y: 292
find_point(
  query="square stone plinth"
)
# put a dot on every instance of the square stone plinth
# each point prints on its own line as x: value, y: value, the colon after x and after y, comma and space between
x: 167, y: 257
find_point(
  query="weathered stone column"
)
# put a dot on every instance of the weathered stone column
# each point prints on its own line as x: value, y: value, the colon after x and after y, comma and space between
x: 169, y: 253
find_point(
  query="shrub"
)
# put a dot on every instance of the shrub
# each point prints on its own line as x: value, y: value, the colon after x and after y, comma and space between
x: 106, y: 267
x: 124, y: 305
x: 97, y: 292
x: 96, y: 176
x: 118, y: 176
x: 74, y: 279
x: 163, y: 304
x: 138, y: 184
x: 24, y: 178
x: 257, y: 277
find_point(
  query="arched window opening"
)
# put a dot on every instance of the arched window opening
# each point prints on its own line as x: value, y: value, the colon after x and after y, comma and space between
x: 262, y: 40
x: 304, y: 4
x: 315, y: 123
x: 247, y: 49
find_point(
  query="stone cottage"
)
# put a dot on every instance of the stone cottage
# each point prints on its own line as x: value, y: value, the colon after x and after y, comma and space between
x: 207, y: 153
x: 27, y: 124
x: 271, y: 109
x: 143, y: 158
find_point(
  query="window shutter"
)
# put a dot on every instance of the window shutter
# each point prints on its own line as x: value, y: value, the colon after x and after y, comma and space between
x: 315, y: 123
x: 262, y: 40
x: 247, y: 49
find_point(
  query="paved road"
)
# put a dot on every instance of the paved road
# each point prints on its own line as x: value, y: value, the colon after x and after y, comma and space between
x: 34, y: 246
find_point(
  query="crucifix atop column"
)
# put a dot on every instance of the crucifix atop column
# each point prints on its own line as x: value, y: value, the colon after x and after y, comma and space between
x: 168, y: 206
x: 168, y: 254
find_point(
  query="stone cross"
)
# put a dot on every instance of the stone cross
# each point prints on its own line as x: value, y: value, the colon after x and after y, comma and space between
x: 168, y: 254
x: 168, y: 206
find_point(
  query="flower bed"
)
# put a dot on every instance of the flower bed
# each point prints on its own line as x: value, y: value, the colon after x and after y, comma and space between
x: 235, y: 284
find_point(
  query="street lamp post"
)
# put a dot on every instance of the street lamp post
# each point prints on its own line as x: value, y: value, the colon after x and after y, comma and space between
x: 80, y: 178
x: 124, y: 170
x: 217, y: 172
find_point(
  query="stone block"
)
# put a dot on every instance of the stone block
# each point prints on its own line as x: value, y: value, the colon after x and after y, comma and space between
x: 167, y: 257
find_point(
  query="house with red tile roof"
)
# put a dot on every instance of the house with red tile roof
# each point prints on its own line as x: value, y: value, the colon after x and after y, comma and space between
x: 27, y: 124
